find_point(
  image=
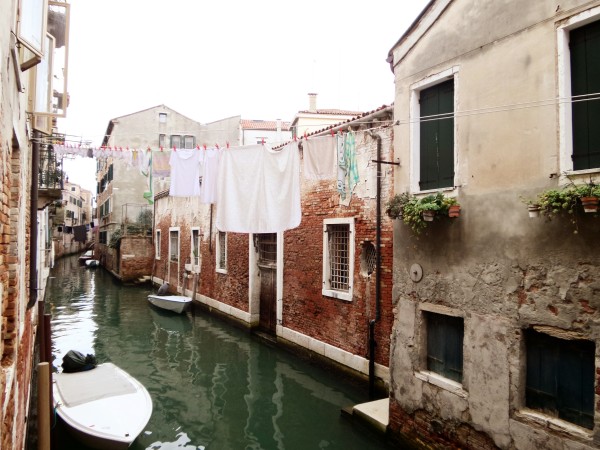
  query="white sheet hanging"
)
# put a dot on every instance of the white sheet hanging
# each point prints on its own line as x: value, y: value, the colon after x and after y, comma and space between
x: 320, y: 158
x: 258, y: 189
x: 185, y: 173
x: 210, y: 172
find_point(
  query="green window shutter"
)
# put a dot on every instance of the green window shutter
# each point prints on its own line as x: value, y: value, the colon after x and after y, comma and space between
x: 110, y: 172
x: 584, y: 46
x: 437, y: 136
x: 445, y: 336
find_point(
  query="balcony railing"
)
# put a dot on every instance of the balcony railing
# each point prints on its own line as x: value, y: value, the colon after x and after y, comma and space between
x: 50, y: 171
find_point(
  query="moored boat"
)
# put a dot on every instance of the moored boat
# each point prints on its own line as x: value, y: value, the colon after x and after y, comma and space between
x: 174, y: 303
x: 104, y: 408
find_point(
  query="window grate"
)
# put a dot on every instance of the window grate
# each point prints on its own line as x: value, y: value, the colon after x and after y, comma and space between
x: 267, y: 248
x: 222, y: 250
x: 339, y: 256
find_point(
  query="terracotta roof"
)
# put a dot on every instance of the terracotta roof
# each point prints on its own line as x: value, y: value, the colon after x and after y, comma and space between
x: 349, y: 121
x: 264, y: 125
x: 333, y: 112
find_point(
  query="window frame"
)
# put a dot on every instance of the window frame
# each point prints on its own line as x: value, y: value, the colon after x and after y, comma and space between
x: 449, y: 321
x: 327, y: 290
x: 162, y: 117
x: 195, y: 235
x: 171, y: 253
x: 415, y: 127
x: 552, y: 364
x: 157, y: 235
x: 177, y: 136
x: 221, y: 252
x: 564, y: 90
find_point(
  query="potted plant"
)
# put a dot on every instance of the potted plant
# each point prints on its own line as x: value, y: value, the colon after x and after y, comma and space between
x: 394, y: 208
x: 589, y: 194
x: 417, y: 212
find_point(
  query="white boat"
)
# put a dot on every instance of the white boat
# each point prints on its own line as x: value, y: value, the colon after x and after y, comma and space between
x: 104, y: 408
x: 86, y: 256
x: 92, y: 263
x: 175, y: 303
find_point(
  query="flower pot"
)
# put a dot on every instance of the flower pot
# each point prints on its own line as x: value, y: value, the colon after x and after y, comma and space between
x: 428, y: 215
x: 590, y: 204
x: 454, y: 211
x: 534, y: 210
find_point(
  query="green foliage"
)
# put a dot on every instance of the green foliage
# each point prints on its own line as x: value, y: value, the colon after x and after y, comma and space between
x: 410, y: 208
x: 115, y: 239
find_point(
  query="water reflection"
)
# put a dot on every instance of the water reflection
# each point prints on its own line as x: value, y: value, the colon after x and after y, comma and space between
x: 212, y: 385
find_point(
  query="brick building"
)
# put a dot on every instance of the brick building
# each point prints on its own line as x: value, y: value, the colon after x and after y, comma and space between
x: 279, y: 282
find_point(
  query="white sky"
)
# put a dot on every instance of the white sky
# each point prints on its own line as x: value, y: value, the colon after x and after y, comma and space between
x: 212, y: 60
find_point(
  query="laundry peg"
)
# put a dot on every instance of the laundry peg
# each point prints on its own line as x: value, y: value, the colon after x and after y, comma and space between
x: 217, y: 145
x: 227, y: 144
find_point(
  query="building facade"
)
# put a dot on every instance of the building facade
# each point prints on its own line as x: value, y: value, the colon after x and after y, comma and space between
x: 27, y: 116
x: 280, y: 283
x: 495, y: 338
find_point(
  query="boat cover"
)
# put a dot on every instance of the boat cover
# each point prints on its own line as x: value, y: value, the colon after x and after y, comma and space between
x: 102, y: 382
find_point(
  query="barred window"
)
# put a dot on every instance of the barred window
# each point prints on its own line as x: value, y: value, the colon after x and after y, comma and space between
x: 221, y: 252
x: 338, y: 258
x: 174, y: 245
x: 157, y: 245
x: 267, y: 248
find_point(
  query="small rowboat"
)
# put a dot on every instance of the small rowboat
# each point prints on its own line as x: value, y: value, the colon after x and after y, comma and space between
x: 174, y: 303
x: 104, y: 408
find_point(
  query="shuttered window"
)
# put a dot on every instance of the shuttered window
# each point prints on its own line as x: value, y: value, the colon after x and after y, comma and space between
x: 560, y: 377
x: 584, y: 46
x: 437, y: 136
x: 445, y: 345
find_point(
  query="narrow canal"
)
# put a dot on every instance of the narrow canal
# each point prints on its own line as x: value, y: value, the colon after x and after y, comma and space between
x: 213, y: 386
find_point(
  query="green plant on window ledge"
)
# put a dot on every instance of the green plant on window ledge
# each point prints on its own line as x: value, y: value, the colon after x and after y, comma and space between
x: 416, y: 212
x: 567, y: 200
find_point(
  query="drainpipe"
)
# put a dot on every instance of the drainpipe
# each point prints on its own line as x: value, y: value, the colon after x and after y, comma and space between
x: 33, y: 225
x: 372, y: 322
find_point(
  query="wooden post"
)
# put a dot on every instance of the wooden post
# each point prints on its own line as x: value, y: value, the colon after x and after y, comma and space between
x: 43, y: 406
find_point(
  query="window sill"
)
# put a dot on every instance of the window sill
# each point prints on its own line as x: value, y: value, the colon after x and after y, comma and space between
x: 554, y: 423
x: 442, y: 382
x: 221, y: 270
x: 346, y: 296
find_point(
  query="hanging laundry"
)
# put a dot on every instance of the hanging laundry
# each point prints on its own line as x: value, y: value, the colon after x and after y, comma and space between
x: 258, y: 189
x: 341, y: 170
x: 351, y: 164
x: 160, y: 164
x: 319, y: 162
x: 79, y: 233
x: 147, y: 172
x: 210, y: 172
x: 185, y: 173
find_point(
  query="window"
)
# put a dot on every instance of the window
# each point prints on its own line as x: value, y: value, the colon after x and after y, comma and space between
x: 445, y: 345
x: 174, y: 244
x: 338, y: 258
x: 584, y: 45
x: 157, y: 245
x: 162, y: 117
x: 175, y: 141
x: 162, y: 140
x: 267, y: 249
x: 195, y: 247
x: 103, y: 237
x: 221, y: 252
x: 560, y: 377
x: 437, y: 136
x: 579, y: 80
x: 189, y: 141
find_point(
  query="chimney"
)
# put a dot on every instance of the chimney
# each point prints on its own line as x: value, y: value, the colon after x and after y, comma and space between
x: 312, y: 103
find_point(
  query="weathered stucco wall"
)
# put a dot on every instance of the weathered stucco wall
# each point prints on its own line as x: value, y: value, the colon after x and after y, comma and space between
x: 499, y: 270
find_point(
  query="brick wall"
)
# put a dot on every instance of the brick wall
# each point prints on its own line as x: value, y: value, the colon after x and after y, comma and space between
x: 137, y: 257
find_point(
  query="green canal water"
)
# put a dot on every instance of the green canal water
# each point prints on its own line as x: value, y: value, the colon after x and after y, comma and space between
x: 213, y: 386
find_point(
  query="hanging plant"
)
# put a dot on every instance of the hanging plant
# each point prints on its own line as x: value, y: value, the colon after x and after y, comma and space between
x: 395, y: 206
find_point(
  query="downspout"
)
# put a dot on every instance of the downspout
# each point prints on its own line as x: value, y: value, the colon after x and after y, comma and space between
x: 372, y: 322
x: 33, y: 225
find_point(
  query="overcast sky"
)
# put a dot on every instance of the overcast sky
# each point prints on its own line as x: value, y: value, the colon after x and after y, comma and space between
x: 212, y: 60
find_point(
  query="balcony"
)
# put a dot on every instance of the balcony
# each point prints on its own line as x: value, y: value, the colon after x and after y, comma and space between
x: 50, y: 177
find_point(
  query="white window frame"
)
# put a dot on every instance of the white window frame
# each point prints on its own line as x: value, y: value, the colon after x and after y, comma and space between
x: 192, y: 258
x: 415, y: 126
x: 565, y: 117
x: 162, y: 117
x: 219, y: 251
x: 326, y: 290
x: 157, y: 245
x: 171, y: 230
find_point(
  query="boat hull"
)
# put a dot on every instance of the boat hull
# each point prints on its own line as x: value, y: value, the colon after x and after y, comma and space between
x: 104, y: 408
x: 173, y: 303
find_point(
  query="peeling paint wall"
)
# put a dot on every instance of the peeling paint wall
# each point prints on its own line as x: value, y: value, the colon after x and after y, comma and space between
x: 494, y: 267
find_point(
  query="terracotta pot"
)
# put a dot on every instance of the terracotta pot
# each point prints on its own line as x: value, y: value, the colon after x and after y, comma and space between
x: 428, y: 215
x: 534, y: 210
x: 454, y: 211
x: 590, y: 204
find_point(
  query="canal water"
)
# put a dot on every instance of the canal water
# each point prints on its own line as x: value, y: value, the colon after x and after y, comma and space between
x: 213, y: 386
